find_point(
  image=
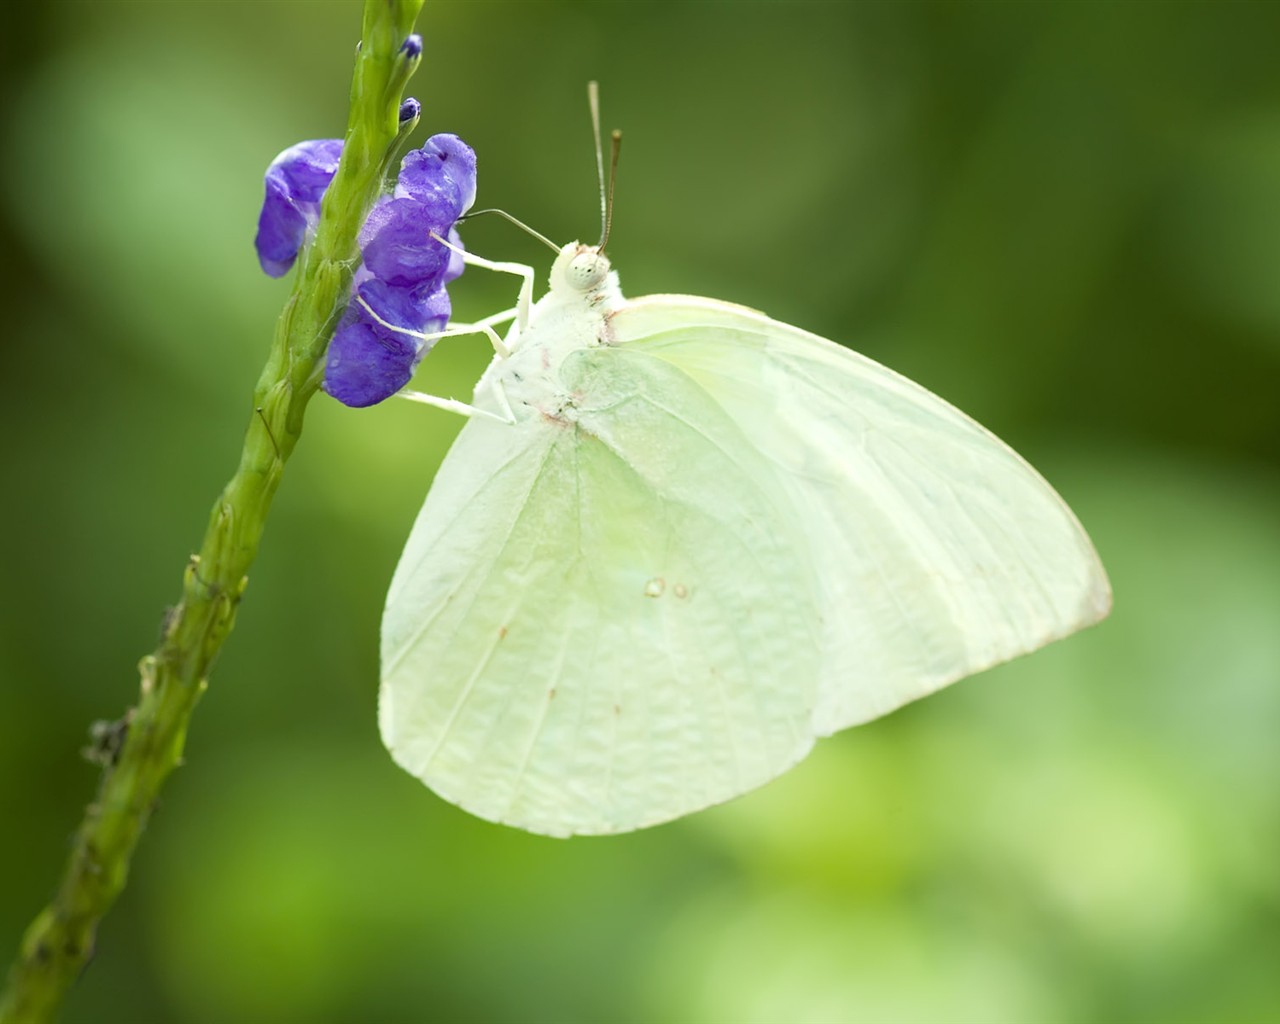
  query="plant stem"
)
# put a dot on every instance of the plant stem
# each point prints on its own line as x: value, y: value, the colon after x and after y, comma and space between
x: 59, y: 942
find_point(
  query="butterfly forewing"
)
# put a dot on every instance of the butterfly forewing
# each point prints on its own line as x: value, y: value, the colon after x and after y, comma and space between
x: 939, y: 550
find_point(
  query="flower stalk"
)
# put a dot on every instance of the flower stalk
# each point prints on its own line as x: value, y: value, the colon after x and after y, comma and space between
x: 141, y: 750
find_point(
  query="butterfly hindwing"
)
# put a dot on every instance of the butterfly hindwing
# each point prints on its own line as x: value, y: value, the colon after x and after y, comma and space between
x: 603, y: 617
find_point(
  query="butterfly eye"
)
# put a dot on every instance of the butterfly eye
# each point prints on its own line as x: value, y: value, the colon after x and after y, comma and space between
x: 586, y: 270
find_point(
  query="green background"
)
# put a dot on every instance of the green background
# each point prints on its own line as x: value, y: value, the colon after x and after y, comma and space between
x: 1064, y: 219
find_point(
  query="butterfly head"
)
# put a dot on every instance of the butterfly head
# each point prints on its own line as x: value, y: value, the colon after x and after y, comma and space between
x: 581, y: 270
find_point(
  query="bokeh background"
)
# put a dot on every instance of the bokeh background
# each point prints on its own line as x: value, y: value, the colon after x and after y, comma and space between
x: 1065, y: 218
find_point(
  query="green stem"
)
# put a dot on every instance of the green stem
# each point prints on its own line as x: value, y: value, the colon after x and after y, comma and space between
x: 60, y: 940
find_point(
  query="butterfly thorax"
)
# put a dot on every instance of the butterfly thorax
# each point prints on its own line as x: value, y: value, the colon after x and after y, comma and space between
x: 570, y: 317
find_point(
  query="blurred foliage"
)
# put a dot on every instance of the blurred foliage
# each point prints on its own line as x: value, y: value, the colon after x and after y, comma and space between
x: 1063, y: 217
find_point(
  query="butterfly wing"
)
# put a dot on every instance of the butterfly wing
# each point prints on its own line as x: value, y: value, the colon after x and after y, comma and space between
x: 603, y: 618
x: 939, y: 551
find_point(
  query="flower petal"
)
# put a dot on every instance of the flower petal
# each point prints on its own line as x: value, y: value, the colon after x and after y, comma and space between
x: 362, y: 368
x: 442, y: 174
x: 369, y: 361
x: 422, y: 309
x: 397, y: 245
x: 456, y: 264
x: 309, y: 167
x: 281, y: 228
x: 295, y: 183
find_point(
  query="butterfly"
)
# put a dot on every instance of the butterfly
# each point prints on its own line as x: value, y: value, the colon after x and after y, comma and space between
x: 679, y: 542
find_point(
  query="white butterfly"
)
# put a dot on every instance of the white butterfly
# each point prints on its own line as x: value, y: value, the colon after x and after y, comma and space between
x: 684, y: 540
x: 705, y: 539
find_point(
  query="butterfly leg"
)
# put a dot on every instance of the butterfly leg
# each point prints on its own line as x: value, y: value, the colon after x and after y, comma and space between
x: 501, y: 392
x: 524, y: 301
x: 461, y: 408
x: 484, y: 327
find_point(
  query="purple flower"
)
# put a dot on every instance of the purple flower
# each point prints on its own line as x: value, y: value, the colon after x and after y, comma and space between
x: 409, y: 110
x: 368, y: 361
x: 401, y: 284
x: 295, y: 184
x: 412, y: 46
x: 404, y: 274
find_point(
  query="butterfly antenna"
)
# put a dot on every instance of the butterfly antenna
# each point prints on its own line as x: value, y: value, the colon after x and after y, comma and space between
x: 518, y: 223
x: 593, y: 99
x: 615, y: 147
